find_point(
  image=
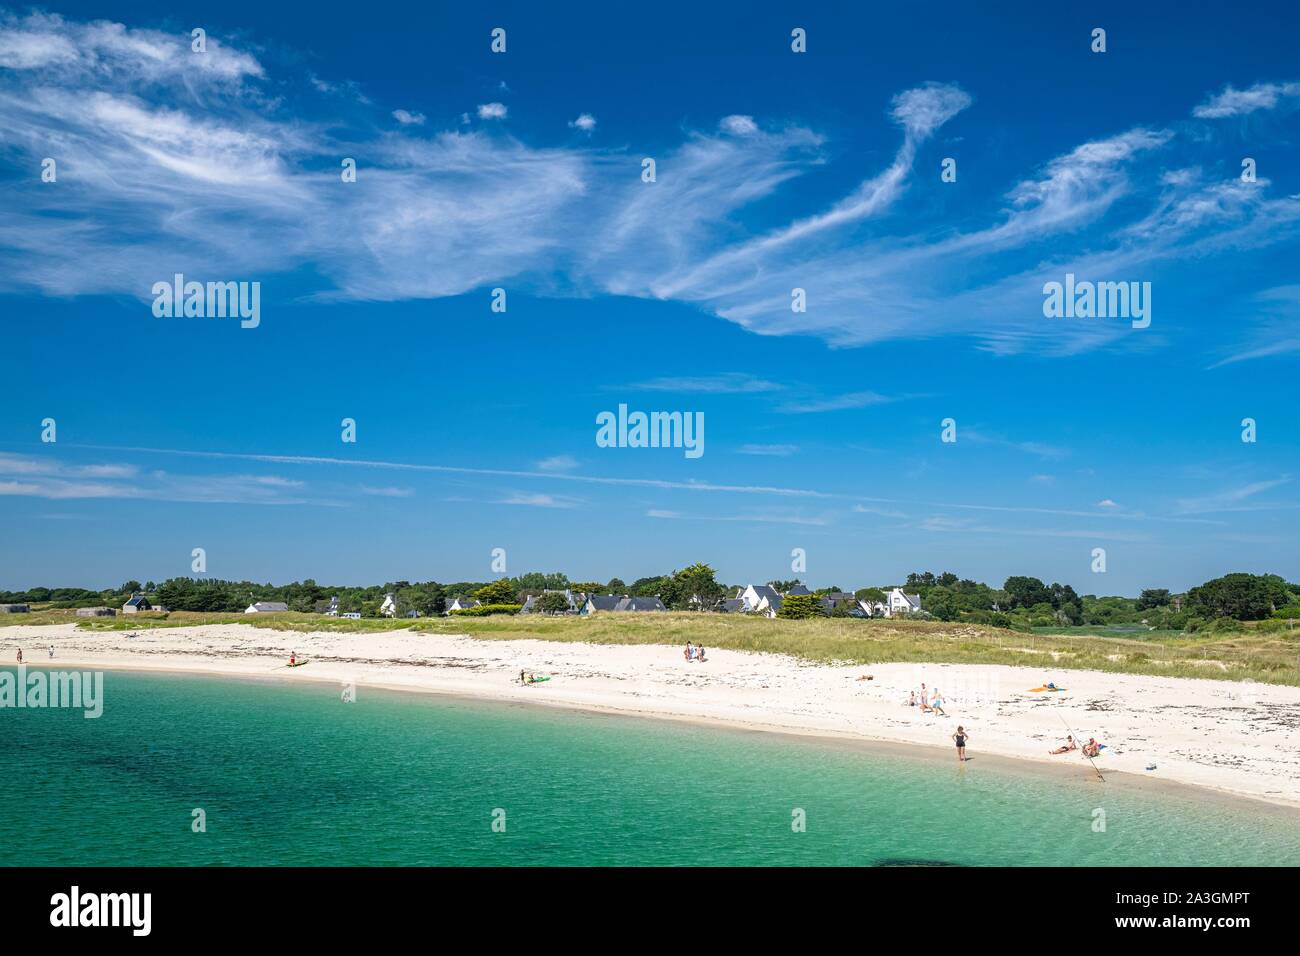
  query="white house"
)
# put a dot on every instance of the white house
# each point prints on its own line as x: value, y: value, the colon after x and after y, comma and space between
x: 576, y: 600
x: 760, y: 599
x: 266, y: 607
x: 896, y: 603
x: 901, y: 603
x: 461, y: 604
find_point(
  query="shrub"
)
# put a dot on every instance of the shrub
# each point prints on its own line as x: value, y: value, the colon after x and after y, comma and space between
x: 483, y: 610
x: 795, y: 606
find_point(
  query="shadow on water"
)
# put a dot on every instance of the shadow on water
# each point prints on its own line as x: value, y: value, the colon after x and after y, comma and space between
x: 904, y: 861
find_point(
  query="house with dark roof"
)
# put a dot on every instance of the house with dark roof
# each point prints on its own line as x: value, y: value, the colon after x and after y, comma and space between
x: 266, y: 607
x: 599, y: 602
x: 461, y: 604
x: 797, y: 589
x: 575, y: 599
x: 137, y: 604
x: 760, y: 599
x: 640, y: 604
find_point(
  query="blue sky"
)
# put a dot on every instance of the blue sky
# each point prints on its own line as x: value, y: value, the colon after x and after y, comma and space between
x: 774, y: 170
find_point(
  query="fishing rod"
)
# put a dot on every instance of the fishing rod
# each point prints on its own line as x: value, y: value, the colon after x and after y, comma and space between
x: 1090, y: 760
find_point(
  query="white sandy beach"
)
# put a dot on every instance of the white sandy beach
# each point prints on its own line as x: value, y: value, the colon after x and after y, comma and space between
x: 1229, y: 737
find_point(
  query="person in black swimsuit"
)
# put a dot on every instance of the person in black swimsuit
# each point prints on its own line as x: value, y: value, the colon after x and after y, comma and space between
x: 959, y: 738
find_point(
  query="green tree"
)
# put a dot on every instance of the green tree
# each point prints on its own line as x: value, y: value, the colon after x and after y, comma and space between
x: 698, y: 580
x: 553, y: 602
x: 1026, y: 592
x: 498, y: 592
x: 1153, y: 597
x: 1245, y: 597
x: 870, y: 595
x: 800, y: 606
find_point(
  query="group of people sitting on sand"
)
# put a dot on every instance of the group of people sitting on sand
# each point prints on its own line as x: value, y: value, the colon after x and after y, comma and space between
x: 933, y: 706
x: 1090, y: 749
x: 694, y: 652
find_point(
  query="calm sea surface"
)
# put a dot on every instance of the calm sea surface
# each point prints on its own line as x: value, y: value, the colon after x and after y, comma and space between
x: 290, y: 774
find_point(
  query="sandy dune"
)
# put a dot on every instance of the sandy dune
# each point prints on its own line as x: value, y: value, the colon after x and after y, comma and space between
x: 1237, y: 738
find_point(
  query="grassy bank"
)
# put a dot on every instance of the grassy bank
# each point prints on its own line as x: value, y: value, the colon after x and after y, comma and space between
x: 1253, y: 654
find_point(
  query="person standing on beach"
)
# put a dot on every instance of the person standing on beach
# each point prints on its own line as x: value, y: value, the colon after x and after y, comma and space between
x: 925, y: 704
x: 936, y: 705
x: 699, y: 653
x: 51, y: 652
x: 690, y: 652
x: 20, y: 655
x: 959, y: 738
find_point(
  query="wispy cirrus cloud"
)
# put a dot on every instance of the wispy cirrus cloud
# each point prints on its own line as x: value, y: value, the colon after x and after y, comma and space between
x: 1234, y: 102
x: 535, y: 500
x: 770, y: 451
x: 41, y: 477
x: 387, y: 491
x: 835, y: 403
x: 1232, y: 499
x: 725, y: 383
x: 558, y: 463
x: 748, y: 518
x: 175, y: 161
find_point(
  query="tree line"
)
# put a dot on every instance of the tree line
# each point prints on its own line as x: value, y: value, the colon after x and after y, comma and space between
x: 1022, y: 600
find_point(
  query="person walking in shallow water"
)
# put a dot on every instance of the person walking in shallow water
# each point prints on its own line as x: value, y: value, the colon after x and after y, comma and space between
x: 959, y: 738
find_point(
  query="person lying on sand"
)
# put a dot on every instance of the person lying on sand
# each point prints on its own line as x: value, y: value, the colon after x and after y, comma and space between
x: 1070, y: 744
x: 1092, y: 748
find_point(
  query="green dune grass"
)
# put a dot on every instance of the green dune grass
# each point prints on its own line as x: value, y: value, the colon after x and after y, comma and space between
x: 1268, y: 656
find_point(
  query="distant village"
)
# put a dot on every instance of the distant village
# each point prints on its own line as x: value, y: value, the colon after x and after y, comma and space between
x: 760, y: 599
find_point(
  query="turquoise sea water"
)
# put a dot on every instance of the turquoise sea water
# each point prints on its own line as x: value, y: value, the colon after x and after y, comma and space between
x: 290, y: 774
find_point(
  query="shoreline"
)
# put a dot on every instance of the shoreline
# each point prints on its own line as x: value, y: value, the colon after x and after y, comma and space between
x: 768, y: 694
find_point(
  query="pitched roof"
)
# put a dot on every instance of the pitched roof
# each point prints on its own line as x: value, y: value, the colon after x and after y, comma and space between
x: 640, y: 604
x: 798, y: 589
x: 270, y: 606
x: 604, y: 602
